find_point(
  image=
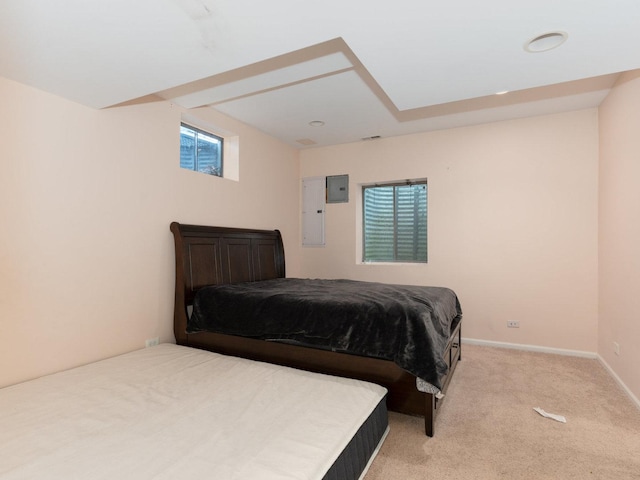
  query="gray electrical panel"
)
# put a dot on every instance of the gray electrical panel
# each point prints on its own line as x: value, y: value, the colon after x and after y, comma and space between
x: 338, y: 189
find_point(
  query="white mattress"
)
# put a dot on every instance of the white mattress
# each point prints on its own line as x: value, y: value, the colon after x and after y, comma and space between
x: 171, y: 412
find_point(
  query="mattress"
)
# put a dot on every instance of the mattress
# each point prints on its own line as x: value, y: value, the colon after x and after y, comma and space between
x: 171, y: 412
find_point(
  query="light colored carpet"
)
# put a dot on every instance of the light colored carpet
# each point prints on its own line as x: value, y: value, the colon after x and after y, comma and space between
x: 487, y: 429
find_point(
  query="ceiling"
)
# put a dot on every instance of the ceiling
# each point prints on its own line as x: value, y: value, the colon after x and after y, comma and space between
x: 365, y: 68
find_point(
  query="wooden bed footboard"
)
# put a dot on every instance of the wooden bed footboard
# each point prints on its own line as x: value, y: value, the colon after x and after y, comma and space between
x: 219, y: 255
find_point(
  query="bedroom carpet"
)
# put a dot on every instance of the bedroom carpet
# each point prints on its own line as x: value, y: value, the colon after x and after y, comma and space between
x: 487, y: 428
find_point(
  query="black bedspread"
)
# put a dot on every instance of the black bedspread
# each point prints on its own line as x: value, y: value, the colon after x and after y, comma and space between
x: 409, y: 325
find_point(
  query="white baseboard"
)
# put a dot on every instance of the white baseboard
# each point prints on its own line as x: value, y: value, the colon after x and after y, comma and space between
x: 557, y: 351
x: 530, y: 348
x: 615, y: 376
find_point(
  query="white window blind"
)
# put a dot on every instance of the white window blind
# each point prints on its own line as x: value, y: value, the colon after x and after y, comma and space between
x: 395, y: 222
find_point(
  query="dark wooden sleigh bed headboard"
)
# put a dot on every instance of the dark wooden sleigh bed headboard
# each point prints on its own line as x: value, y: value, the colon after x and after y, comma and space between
x: 220, y: 255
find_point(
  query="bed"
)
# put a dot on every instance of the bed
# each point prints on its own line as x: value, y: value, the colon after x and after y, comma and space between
x: 170, y: 411
x: 209, y: 256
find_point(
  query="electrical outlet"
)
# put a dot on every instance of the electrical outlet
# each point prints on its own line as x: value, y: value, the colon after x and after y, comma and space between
x: 513, y: 324
x: 616, y: 348
x: 150, y: 342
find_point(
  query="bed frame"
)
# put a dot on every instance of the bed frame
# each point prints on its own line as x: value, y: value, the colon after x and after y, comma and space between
x: 220, y: 255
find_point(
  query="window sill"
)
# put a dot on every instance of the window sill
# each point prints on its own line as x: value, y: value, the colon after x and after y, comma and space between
x: 394, y: 264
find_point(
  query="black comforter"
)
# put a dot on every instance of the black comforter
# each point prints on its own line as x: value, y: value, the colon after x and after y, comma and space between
x: 409, y: 325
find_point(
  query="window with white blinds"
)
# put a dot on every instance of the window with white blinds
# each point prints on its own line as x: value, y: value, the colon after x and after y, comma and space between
x: 395, y: 222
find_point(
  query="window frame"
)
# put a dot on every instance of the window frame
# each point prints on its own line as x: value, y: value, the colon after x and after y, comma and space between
x: 395, y: 184
x: 197, y: 131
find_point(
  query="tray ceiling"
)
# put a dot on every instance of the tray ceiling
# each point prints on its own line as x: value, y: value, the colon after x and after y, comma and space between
x: 364, y: 68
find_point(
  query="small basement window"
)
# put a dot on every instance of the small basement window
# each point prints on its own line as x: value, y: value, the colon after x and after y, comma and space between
x: 395, y: 222
x: 200, y: 151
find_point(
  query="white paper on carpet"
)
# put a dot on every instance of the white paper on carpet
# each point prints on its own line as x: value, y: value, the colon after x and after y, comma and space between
x: 553, y: 416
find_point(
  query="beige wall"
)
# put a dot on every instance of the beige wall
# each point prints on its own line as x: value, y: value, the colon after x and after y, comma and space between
x: 619, y: 319
x: 513, y: 223
x: 86, y: 198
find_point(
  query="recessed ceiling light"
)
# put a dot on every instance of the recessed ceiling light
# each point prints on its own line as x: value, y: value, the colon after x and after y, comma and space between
x: 546, y: 41
x: 316, y: 123
x: 502, y: 92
